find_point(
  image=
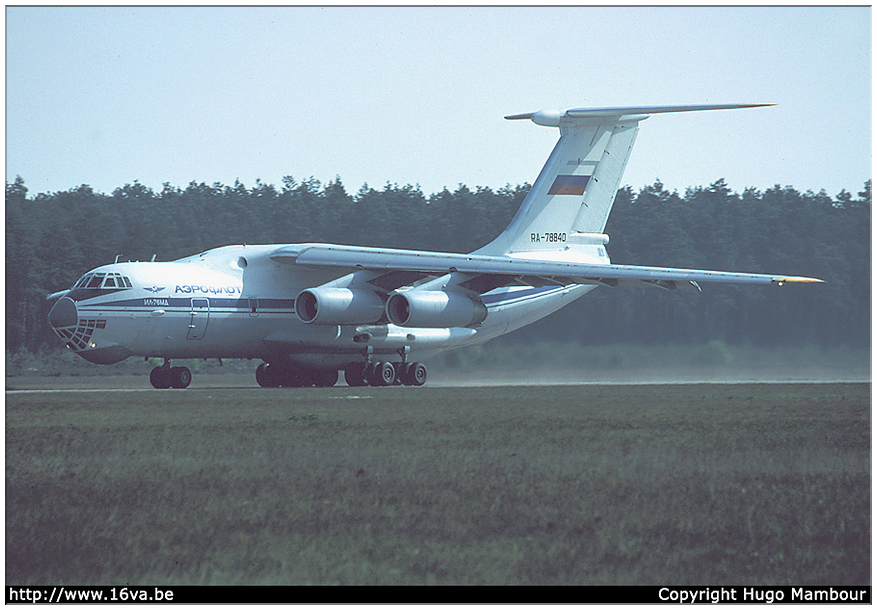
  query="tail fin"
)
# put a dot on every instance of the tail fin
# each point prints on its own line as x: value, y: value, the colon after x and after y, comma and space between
x: 573, y: 195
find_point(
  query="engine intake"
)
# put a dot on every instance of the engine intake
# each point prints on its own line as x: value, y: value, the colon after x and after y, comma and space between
x: 434, y: 309
x: 328, y: 305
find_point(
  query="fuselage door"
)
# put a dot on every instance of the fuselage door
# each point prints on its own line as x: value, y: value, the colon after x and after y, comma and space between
x: 200, y: 317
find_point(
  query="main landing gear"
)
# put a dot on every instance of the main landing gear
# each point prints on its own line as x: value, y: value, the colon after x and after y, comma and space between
x: 380, y: 373
x: 166, y: 376
x: 385, y: 373
x: 356, y: 374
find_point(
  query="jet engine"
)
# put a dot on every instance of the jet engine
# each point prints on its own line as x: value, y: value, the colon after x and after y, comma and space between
x: 434, y: 309
x: 329, y: 305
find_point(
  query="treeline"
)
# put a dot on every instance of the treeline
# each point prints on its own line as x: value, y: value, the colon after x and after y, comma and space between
x: 53, y: 238
x: 776, y: 231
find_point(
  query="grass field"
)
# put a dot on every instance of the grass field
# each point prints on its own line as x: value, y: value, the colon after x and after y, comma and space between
x: 595, y: 484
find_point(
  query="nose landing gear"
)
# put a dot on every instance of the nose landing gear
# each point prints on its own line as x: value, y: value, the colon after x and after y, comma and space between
x: 165, y: 376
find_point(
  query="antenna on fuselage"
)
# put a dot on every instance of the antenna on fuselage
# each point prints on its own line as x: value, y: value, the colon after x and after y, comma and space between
x: 152, y: 260
x: 117, y: 259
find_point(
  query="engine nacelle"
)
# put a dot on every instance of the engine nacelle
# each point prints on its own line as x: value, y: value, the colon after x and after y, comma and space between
x: 434, y: 309
x: 329, y: 305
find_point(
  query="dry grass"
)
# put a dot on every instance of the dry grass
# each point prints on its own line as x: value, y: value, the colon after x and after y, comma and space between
x: 705, y: 484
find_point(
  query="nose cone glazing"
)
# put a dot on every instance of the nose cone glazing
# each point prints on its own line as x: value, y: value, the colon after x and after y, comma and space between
x: 63, y: 313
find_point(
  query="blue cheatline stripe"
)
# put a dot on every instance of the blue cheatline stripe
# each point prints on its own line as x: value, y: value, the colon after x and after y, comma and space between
x: 150, y: 303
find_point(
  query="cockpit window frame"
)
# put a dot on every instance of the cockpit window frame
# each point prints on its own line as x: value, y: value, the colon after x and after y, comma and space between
x: 101, y: 281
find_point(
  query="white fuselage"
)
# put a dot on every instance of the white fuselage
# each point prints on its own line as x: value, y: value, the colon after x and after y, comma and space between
x: 234, y: 302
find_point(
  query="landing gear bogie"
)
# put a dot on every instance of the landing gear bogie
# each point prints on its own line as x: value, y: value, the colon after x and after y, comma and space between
x: 164, y: 377
x: 356, y: 374
x: 382, y: 374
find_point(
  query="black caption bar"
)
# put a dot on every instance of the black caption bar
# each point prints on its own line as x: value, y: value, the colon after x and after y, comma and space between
x: 190, y: 594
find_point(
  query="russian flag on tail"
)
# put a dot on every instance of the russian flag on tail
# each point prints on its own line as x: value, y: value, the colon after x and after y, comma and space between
x: 569, y: 185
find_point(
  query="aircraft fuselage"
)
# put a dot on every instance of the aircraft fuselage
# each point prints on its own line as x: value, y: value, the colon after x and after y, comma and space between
x: 234, y: 302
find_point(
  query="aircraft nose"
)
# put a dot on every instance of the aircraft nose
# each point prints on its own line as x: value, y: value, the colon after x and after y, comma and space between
x: 63, y: 313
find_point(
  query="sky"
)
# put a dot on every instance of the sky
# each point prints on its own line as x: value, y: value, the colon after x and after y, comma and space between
x: 106, y: 96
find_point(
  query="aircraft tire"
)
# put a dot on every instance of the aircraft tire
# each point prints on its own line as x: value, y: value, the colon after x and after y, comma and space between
x: 160, y: 378
x: 180, y: 377
x: 415, y: 374
x: 384, y: 374
x: 354, y: 375
x: 264, y: 376
x: 269, y: 376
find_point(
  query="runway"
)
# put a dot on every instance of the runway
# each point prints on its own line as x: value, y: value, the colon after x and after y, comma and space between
x: 244, y: 381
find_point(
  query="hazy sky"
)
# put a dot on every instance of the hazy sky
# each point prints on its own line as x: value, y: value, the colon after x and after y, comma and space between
x: 415, y: 95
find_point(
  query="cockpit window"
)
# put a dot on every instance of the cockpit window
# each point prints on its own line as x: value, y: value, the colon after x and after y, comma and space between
x: 116, y: 280
x: 103, y: 280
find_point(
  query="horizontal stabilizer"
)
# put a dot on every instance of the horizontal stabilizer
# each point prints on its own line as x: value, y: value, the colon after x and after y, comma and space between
x: 552, y: 117
x: 577, y: 186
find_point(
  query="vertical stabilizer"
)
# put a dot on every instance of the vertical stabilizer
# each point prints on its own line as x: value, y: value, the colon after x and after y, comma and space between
x: 576, y: 188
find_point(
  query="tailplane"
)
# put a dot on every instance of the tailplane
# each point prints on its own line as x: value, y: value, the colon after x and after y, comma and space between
x: 571, y: 199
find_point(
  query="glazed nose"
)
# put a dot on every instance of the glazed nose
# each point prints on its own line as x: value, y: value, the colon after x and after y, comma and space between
x: 63, y: 313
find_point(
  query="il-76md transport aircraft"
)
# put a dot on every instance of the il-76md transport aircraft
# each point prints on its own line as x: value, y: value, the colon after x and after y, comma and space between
x: 310, y: 310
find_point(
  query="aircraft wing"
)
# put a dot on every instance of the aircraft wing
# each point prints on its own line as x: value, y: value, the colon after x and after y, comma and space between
x: 398, y: 268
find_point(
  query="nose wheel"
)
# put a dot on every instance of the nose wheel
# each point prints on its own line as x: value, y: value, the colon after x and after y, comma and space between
x: 166, y: 376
